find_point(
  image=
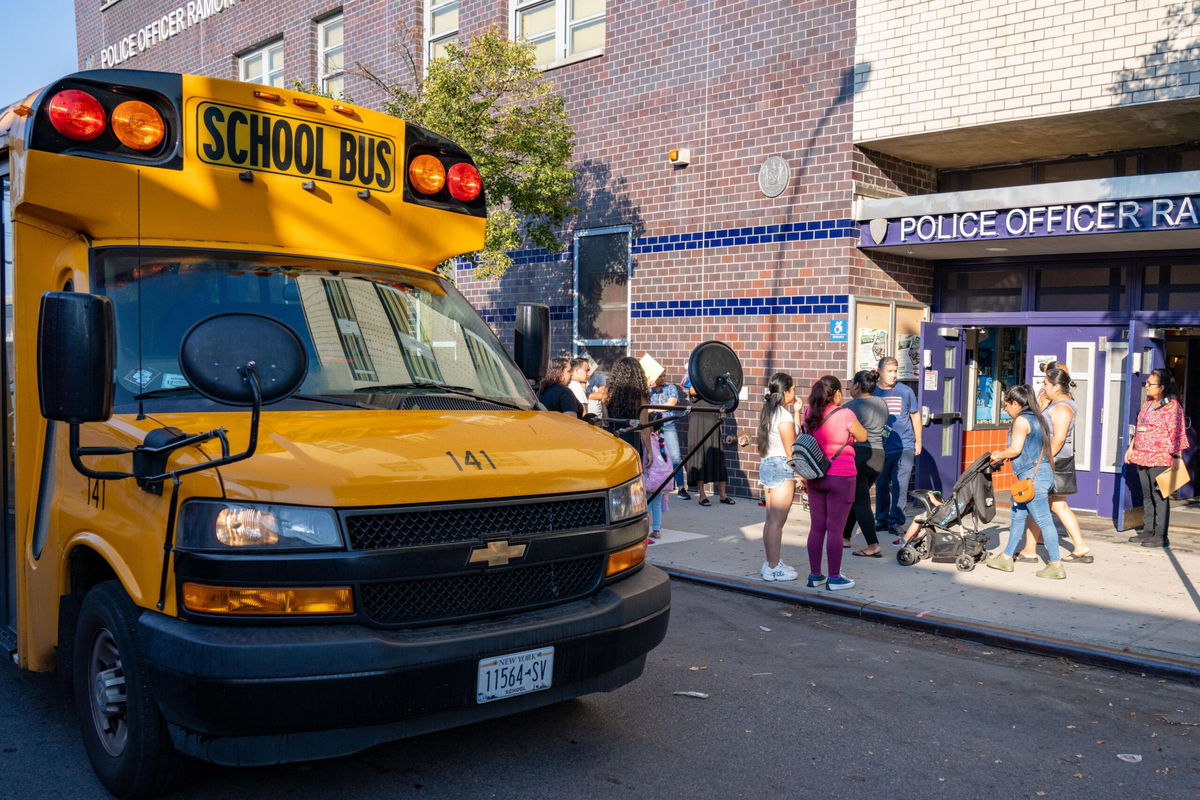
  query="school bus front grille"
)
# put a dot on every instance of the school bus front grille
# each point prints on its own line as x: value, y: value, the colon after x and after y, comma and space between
x: 396, y: 528
x: 457, y: 597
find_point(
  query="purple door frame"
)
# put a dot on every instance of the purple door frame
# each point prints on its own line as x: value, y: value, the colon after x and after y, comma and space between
x: 943, y: 354
x: 1117, y: 492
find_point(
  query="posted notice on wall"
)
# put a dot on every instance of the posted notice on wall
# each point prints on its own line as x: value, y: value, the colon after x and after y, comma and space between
x: 908, y: 356
x: 872, y: 346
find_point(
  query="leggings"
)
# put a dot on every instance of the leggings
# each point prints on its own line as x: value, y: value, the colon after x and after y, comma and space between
x: 868, y: 461
x: 1156, y: 508
x: 829, y: 501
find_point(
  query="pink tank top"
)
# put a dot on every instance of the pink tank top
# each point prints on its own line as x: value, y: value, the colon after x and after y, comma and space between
x: 834, y: 433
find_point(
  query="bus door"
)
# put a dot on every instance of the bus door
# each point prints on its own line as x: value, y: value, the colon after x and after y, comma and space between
x: 940, y: 396
x: 1147, y: 351
x: 8, y: 531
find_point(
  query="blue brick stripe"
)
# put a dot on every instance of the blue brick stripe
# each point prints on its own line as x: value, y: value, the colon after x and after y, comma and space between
x: 494, y: 316
x: 728, y: 237
x: 742, y: 306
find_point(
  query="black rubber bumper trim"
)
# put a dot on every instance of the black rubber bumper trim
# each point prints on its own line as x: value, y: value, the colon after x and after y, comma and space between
x: 273, y: 682
x: 1099, y: 655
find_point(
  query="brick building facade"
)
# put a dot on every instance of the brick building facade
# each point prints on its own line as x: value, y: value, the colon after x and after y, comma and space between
x: 711, y: 256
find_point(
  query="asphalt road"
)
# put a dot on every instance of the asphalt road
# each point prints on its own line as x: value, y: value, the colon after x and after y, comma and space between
x: 798, y: 703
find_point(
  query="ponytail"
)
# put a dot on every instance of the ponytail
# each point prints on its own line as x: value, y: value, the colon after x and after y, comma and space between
x: 777, y: 387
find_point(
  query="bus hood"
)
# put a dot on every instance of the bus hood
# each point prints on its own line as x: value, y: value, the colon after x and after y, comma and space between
x: 346, y: 459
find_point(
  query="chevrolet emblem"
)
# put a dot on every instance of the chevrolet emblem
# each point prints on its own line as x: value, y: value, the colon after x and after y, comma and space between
x: 497, y: 553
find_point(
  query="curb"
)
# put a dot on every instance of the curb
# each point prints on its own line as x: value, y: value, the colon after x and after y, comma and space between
x: 1097, y: 655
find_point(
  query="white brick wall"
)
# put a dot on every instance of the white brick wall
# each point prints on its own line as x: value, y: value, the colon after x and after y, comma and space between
x: 931, y: 65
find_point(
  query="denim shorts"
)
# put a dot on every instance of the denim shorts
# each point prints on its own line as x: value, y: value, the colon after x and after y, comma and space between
x: 774, y: 471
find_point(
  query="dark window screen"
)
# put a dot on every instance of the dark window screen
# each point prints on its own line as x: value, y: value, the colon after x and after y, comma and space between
x: 603, y: 286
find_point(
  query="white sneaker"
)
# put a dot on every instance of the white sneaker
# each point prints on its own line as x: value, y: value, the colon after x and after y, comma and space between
x: 779, y: 572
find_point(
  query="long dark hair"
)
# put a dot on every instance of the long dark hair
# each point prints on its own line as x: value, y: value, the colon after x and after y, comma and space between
x: 777, y: 387
x: 867, y: 380
x: 820, y: 399
x: 554, y: 373
x: 627, y: 388
x: 1169, y: 387
x: 1024, y: 396
x: 1061, y: 379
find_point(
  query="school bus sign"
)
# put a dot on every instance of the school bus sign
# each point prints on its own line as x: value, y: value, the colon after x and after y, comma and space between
x: 253, y: 139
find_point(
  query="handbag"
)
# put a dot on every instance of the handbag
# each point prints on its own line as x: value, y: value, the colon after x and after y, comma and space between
x: 1023, y: 490
x: 808, y: 457
x: 1174, y: 478
x: 1064, y: 476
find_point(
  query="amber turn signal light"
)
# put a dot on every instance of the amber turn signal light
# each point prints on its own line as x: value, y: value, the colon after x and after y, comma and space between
x: 259, y: 601
x: 627, y: 558
x: 427, y: 174
x: 137, y: 125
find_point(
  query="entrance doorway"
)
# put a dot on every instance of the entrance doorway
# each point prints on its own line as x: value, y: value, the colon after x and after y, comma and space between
x: 1183, y: 359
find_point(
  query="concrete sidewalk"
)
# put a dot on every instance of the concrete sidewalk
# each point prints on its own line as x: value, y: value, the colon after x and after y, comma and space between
x: 1134, y: 606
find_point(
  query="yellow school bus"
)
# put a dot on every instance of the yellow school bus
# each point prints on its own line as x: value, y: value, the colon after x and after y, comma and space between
x: 274, y: 490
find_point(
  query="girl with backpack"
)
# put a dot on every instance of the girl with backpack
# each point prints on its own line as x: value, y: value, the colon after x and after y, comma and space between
x: 831, y: 496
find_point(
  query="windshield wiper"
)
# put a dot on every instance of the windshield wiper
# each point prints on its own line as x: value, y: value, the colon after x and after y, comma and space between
x: 320, y: 398
x: 168, y: 392
x: 463, y: 391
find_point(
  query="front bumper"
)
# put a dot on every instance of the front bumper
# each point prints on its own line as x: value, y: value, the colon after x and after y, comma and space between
x: 265, y: 695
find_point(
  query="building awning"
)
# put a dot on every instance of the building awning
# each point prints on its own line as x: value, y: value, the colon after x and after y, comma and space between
x: 1109, y: 215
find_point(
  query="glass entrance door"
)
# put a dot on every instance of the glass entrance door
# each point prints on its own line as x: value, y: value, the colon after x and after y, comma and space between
x: 940, y: 397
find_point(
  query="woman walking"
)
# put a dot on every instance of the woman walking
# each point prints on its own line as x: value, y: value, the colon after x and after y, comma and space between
x: 1029, y: 449
x: 830, y: 497
x: 1059, y: 412
x: 1157, y: 441
x: 776, y: 434
x: 872, y: 412
x: 628, y: 391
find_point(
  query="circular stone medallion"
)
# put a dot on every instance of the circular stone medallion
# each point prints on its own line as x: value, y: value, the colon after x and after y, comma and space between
x: 773, y: 176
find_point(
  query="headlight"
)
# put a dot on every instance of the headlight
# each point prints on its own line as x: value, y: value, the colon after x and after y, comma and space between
x: 627, y: 500
x: 215, y: 525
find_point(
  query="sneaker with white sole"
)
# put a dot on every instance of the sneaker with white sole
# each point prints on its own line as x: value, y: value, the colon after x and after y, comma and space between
x: 838, y: 583
x: 815, y: 580
x: 779, y: 572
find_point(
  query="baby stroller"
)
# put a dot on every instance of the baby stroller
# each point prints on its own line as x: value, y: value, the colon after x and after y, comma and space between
x: 944, y: 535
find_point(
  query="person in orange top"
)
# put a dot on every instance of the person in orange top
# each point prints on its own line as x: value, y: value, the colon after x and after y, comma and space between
x: 1157, y: 441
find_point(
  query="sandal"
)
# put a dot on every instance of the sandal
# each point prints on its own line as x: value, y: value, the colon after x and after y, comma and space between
x: 865, y: 554
x: 728, y: 501
x: 655, y: 534
x: 1081, y: 558
x: 846, y: 543
x: 706, y: 502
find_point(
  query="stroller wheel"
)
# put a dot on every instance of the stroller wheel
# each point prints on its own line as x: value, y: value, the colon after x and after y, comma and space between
x: 965, y: 563
x: 907, y: 556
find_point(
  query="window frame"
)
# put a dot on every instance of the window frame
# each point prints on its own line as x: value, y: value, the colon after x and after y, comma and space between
x: 563, y: 26
x: 1084, y: 402
x: 443, y: 38
x: 322, y: 49
x: 262, y: 51
x: 577, y: 343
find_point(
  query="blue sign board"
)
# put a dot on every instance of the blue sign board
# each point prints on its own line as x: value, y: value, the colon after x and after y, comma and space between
x: 837, y: 330
x: 1068, y: 219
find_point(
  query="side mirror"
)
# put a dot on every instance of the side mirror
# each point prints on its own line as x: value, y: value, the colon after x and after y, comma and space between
x: 531, y: 339
x: 715, y: 373
x: 76, y: 335
x: 215, y: 353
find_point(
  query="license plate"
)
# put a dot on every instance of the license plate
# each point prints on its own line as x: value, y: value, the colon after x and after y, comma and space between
x: 513, y: 674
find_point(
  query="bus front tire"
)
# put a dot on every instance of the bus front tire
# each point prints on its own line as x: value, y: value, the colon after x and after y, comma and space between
x: 123, y: 732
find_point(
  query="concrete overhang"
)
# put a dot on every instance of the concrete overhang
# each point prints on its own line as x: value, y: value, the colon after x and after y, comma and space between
x: 1139, y: 187
x: 1127, y: 127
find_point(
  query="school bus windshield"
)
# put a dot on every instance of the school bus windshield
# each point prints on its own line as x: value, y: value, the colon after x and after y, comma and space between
x: 374, y: 337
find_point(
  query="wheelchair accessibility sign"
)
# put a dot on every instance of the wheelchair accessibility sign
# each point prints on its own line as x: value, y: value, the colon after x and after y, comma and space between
x: 837, y: 330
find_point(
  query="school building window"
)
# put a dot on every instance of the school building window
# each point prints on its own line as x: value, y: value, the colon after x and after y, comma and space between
x: 1171, y: 287
x: 602, y: 294
x: 330, y: 56
x: 264, y: 65
x: 441, y: 27
x: 559, y: 29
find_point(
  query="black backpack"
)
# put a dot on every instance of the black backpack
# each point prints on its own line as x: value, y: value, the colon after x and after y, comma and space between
x: 808, y: 458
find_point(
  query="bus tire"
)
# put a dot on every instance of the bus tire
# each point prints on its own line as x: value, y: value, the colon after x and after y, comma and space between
x: 123, y: 731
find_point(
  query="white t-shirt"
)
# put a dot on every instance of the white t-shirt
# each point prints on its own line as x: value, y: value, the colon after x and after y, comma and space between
x: 774, y: 442
x: 580, y: 393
